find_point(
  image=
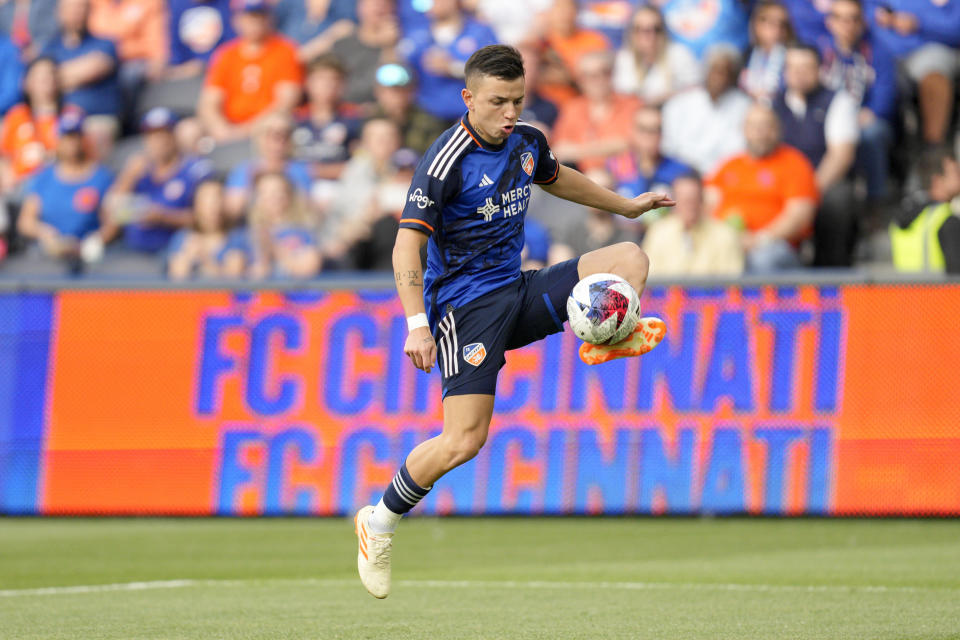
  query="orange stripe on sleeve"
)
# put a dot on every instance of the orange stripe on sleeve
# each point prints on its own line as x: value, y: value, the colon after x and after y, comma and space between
x: 556, y: 172
x: 402, y: 220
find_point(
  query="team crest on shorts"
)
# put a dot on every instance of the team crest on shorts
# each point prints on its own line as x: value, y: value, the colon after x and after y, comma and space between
x: 474, y: 353
x: 526, y: 163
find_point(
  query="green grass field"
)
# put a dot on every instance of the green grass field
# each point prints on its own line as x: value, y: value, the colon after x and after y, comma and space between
x: 485, y: 578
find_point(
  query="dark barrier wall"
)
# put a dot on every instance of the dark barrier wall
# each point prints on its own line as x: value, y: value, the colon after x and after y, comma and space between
x: 774, y: 400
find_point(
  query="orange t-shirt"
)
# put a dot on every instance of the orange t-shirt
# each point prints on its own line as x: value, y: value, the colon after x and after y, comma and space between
x: 249, y: 79
x: 575, y: 125
x: 27, y: 141
x: 570, y: 50
x: 138, y: 27
x: 756, y: 189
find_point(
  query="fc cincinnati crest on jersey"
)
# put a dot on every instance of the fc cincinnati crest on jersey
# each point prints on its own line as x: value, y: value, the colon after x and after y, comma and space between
x: 526, y: 163
x: 474, y: 353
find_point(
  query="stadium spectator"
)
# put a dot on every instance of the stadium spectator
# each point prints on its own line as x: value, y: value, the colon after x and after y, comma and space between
x: 703, y: 126
x: 439, y: 53
x: 314, y: 24
x: 61, y: 208
x: 809, y: 18
x: 250, y: 76
x: 687, y: 241
x: 925, y: 236
x: 373, y: 250
x: 854, y: 63
x: 152, y: 196
x: 280, y: 240
x: 702, y: 25
x: 644, y: 168
x: 29, y: 24
x: 199, y: 251
x: 770, y: 32
x: 356, y: 208
x: 823, y: 125
x: 590, y: 128
x: 592, y: 230
x: 136, y: 27
x: 511, y: 26
x: 770, y: 192
x: 650, y: 65
x: 394, y: 93
x: 11, y: 74
x: 537, y: 109
x: 372, y: 43
x: 923, y: 34
x: 273, y: 148
x: 197, y: 29
x: 565, y: 43
x: 324, y: 134
x: 28, y: 136
x: 87, y: 69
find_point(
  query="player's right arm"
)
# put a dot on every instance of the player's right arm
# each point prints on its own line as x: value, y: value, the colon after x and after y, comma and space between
x: 421, y: 216
x: 408, y: 272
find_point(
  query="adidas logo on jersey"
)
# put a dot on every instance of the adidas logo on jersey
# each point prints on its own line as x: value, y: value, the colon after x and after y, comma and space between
x: 486, y: 182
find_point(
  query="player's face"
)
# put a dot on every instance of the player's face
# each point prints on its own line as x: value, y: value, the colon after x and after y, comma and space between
x: 495, y: 105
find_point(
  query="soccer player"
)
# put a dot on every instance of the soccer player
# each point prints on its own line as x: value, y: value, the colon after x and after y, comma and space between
x: 467, y: 201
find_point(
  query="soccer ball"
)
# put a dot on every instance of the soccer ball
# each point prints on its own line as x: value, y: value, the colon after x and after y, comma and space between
x: 603, y: 309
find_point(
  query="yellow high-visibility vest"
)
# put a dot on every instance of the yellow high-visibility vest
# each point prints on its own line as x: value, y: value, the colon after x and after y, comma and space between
x: 917, y: 248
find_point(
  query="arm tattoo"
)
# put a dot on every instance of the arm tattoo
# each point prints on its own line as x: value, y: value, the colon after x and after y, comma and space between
x: 411, y: 277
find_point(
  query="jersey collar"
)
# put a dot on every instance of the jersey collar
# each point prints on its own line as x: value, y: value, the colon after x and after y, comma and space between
x: 465, y: 123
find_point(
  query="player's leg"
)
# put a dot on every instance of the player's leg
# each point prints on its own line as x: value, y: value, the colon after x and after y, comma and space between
x: 624, y: 259
x: 466, y: 420
x: 628, y: 261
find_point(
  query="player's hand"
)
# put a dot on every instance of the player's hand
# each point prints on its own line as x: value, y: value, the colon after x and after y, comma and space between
x: 422, y: 348
x: 647, y: 201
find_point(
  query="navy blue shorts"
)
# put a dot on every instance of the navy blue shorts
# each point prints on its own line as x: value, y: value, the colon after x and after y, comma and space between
x: 472, y: 340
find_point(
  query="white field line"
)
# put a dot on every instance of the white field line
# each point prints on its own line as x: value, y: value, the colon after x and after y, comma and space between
x: 479, y: 584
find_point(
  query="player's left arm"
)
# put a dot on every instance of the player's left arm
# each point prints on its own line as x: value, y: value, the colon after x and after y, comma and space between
x: 576, y: 187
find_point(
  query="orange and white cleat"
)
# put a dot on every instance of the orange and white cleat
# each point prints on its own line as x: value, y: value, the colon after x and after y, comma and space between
x: 648, y: 334
x: 373, y: 557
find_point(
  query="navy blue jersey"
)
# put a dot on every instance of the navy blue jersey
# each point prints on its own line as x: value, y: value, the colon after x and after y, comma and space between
x: 471, y: 198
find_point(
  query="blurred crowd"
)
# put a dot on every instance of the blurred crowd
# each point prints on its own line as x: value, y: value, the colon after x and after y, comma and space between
x: 260, y: 139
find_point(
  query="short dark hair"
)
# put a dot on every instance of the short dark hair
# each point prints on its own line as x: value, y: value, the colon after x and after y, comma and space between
x: 496, y: 60
x: 327, y: 61
x: 931, y: 163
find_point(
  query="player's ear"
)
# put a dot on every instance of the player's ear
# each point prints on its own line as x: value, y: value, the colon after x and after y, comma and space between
x: 467, y: 96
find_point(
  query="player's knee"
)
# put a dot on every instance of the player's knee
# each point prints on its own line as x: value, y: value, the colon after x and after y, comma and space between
x: 462, y: 448
x: 633, y: 263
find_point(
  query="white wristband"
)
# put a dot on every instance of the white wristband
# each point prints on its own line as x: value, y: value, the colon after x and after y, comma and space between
x: 417, y: 321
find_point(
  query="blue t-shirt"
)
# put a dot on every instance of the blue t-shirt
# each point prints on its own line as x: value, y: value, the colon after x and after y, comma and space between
x: 325, y: 144
x: 439, y: 95
x: 197, y: 27
x: 244, y: 173
x: 176, y: 192
x: 293, y: 21
x: 70, y: 207
x: 471, y: 198
x: 633, y: 184
x: 937, y: 21
x: 700, y: 24
x: 285, y: 238
x: 101, y: 97
x: 11, y: 72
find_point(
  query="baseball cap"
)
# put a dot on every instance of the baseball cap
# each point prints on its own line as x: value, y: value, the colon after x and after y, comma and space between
x: 71, y: 121
x: 254, y: 6
x: 394, y: 75
x: 158, y: 118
